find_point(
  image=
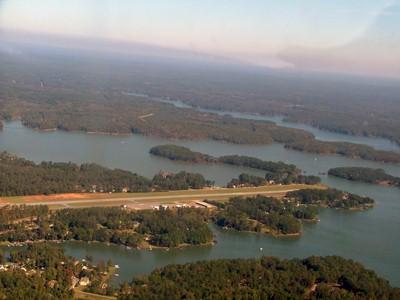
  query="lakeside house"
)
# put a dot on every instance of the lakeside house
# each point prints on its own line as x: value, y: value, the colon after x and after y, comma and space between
x: 84, y: 281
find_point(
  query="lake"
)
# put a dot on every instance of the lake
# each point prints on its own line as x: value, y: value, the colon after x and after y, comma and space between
x: 371, y: 237
x: 322, y: 135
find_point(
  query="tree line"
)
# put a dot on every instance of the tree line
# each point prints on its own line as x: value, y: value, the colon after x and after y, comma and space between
x: 331, y: 198
x: 363, y: 174
x: 282, y: 216
x: 19, y: 176
x: 330, y: 277
x: 43, y: 271
x: 344, y: 149
x: 163, y: 227
x: 276, y: 172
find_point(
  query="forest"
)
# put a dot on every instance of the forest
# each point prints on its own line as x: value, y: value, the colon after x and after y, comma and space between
x: 276, y: 172
x: 363, y: 174
x: 44, y: 271
x: 345, y: 149
x: 163, y: 228
x: 94, y: 104
x: 330, y: 277
x: 172, y: 227
x: 23, y: 177
x: 181, y: 153
x: 282, y: 216
x: 331, y: 198
x: 261, y: 214
x: 249, y: 180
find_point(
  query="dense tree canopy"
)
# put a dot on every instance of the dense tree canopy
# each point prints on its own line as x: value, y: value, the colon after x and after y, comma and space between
x: 282, y: 216
x: 266, y: 278
x: 276, y: 172
x: 23, y: 177
x: 344, y: 149
x: 174, y: 152
x: 43, y: 271
x: 369, y: 175
x: 180, y: 181
x: 45, y: 263
x: 164, y: 227
x: 331, y: 198
x: 260, y: 214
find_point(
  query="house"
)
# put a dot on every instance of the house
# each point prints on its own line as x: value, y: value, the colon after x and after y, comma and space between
x: 165, y: 174
x: 51, y: 284
x: 104, y: 286
x: 84, y: 281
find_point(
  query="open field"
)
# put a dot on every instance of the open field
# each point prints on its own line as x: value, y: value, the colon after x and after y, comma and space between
x: 80, y: 295
x: 151, y: 199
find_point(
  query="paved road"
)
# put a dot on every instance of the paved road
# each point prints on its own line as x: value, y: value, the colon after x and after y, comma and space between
x: 154, y: 198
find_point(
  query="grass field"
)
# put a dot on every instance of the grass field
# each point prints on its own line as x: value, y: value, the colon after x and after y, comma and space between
x: 80, y: 295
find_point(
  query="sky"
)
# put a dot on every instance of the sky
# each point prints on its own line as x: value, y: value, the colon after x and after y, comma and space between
x: 277, y: 33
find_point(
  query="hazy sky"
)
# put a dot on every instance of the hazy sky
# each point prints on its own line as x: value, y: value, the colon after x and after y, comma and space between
x: 251, y: 30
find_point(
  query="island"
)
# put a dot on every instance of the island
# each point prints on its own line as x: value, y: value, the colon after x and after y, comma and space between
x: 276, y: 172
x: 357, y: 151
x: 368, y: 175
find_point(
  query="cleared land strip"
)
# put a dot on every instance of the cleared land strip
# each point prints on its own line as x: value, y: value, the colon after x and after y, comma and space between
x: 150, y: 199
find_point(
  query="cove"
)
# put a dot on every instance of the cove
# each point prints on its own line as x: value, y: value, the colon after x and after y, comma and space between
x: 370, y: 237
x: 322, y: 135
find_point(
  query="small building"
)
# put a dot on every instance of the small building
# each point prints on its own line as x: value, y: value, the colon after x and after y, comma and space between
x: 51, y: 284
x: 84, y: 281
x: 164, y: 174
